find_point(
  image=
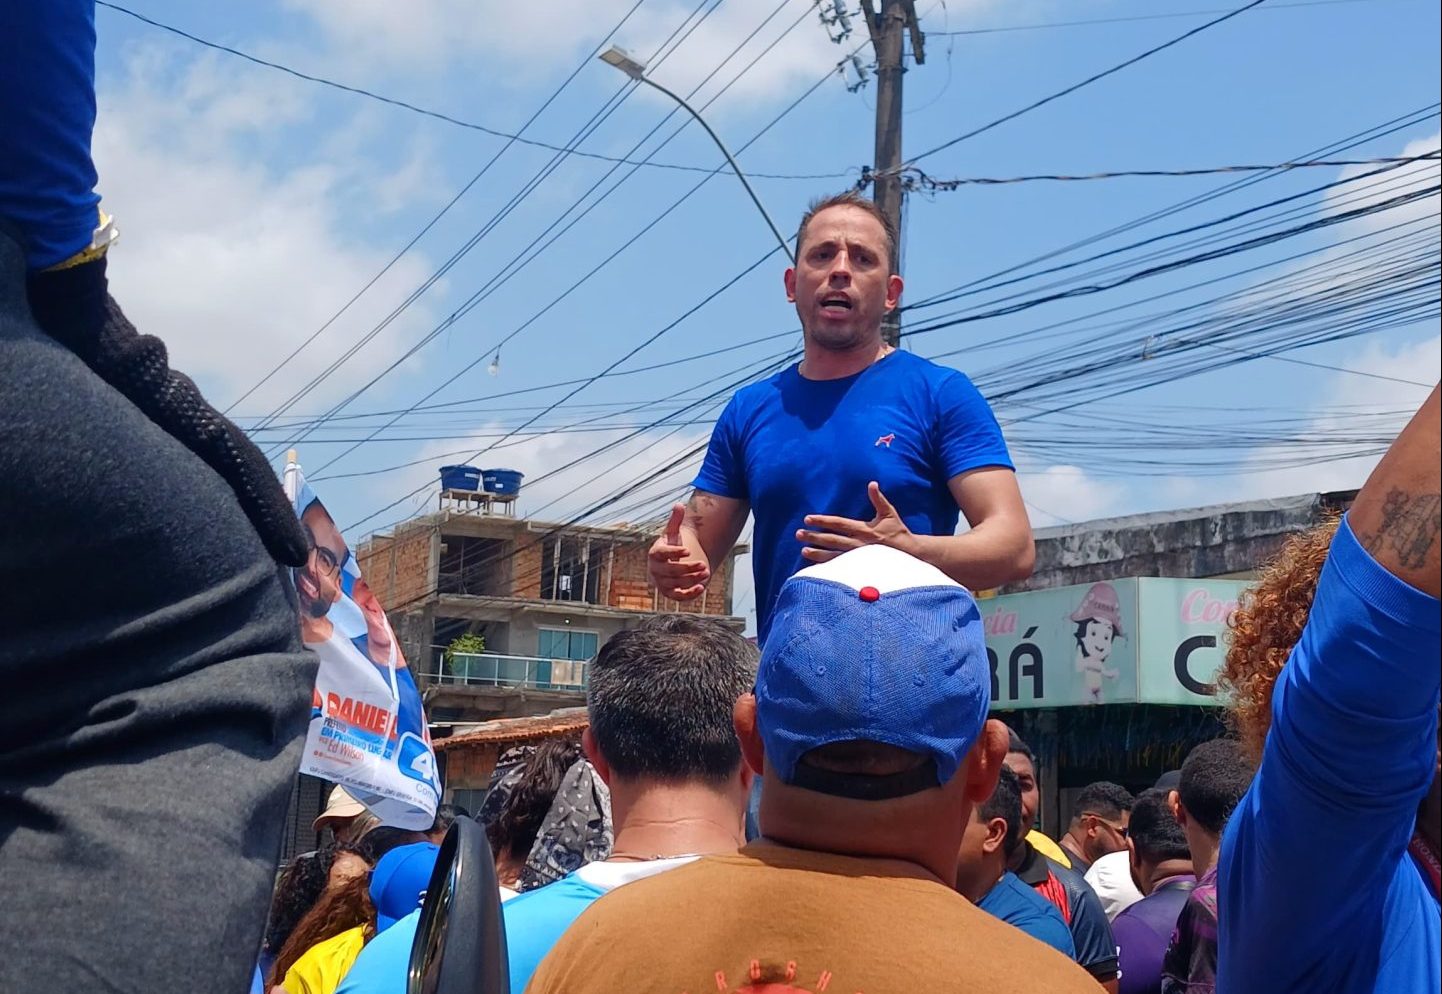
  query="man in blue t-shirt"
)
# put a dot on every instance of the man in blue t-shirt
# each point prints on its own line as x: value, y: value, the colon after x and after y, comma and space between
x: 858, y: 444
x: 1328, y: 879
x: 993, y: 833
x: 660, y: 704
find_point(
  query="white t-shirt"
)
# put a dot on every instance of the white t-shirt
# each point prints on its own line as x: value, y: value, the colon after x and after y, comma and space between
x: 1111, y: 878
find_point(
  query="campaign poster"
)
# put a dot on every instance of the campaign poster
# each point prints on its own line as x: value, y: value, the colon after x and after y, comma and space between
x: 368, y: 728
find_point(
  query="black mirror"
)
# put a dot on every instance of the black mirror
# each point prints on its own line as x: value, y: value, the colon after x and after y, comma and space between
x: 460, y: 945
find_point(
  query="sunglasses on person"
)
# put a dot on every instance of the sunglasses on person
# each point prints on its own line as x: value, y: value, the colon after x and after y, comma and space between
x: 1120, y: 830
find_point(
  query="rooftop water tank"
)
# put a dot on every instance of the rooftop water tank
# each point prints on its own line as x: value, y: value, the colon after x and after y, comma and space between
x: 506, y: 482
x: 460, y: 478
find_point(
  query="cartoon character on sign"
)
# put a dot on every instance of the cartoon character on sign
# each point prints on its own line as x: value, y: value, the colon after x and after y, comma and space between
x: 1098, y: 621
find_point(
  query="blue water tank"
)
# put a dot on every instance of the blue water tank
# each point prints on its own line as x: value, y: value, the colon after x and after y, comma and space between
x: 460, y: 478
x: 501, y: 481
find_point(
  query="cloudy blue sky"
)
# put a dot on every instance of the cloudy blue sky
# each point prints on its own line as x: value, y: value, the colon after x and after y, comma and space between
x: 254, y: 205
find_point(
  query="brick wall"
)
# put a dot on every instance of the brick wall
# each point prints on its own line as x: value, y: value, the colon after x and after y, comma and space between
x: 398, y: 566
x: 526, y: 567
x: 470, y: 768
x: 631, y: 585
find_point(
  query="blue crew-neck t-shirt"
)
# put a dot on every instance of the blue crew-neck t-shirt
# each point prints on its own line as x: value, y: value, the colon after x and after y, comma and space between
x: 1316, y: 888
x: 790, y: 447
x: 534, y: 922
x: 1018, y: 905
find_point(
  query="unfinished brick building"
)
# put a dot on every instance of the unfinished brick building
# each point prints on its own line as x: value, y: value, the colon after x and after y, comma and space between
x: 543, y: 597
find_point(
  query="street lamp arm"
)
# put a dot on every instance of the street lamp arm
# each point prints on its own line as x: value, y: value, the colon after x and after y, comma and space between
x: 780, y: 239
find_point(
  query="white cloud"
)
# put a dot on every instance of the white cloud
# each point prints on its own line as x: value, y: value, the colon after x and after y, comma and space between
x: 1061, y: 494
x: 1354, y: 397
x: 524, y: 42
x: 1408, y: 178
x: 228, y: 256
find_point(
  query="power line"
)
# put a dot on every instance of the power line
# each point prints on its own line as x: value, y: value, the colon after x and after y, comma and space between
x: 439, y: 214
x: 926, y: 183
x: 619, y: 96
x: 998, y: 29
x: 426, y: 112
x: 1077, y: 86
x: 628, y: 243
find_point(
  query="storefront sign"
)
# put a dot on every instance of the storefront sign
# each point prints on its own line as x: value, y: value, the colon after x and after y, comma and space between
x: 1142, y: 640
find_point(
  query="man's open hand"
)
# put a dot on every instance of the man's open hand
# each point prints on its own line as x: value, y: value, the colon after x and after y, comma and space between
x: 677, y: 572
x: 827, y: 536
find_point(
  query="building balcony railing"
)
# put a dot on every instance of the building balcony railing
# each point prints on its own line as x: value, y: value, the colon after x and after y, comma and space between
x: 486, y: 669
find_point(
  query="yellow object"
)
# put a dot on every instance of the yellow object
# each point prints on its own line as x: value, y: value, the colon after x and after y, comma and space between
x: 1048, y: 848
x: 105, y: 233
x: 324, y: 965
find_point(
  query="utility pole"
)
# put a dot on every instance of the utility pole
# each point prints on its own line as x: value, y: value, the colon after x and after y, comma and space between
x: 888, y: 30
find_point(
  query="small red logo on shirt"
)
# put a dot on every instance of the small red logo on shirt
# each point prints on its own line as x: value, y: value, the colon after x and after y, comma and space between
x: 886, y: 440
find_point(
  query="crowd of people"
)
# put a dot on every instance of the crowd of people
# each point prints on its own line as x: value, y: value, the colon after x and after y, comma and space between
x: 837, y: 811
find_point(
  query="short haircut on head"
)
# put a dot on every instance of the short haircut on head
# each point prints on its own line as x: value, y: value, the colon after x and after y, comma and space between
x: 382, y: 839
x: 1005, y: 803
x: 1215, y: 775
x: 661, y: 697
x: 1153, y: 828
x: 1103, y: 798
x: 1018, y: 745
x: 850, y: 198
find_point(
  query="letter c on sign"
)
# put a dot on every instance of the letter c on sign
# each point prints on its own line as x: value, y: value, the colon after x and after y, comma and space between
x: 1183, y: 655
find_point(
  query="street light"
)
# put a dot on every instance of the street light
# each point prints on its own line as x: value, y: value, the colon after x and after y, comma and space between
x: 633, y: 67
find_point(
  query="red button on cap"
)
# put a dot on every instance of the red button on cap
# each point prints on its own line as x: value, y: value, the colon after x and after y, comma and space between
x: 869, y: 594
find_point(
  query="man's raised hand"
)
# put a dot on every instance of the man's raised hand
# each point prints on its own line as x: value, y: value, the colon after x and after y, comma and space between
x: 827, y: 536
x: 677, y: 571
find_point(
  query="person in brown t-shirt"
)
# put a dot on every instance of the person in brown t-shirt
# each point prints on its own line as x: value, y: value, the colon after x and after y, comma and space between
x: 868, y: 725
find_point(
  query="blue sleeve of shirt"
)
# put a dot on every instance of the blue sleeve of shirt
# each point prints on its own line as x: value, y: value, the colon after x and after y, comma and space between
x: 381, y: 966
x: 723, y: 471
x: 1053, y: 931
x: 47, y: 178
x: 969, y: 436
x: 1310, y: 853
x: 1091, y: 933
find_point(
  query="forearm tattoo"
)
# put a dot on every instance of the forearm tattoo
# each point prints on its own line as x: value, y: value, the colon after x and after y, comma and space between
x: 1409, y: 527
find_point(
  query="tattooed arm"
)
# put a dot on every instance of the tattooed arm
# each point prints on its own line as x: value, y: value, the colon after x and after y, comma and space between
x: 1398, y: 514
x: 696, y: 538
x: 1350, y: 754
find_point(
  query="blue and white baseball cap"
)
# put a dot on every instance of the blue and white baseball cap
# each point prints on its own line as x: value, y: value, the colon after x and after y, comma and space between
x: 876, y: 646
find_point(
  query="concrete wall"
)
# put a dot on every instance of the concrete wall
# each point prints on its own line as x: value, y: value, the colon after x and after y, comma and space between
x: 1225, y: 540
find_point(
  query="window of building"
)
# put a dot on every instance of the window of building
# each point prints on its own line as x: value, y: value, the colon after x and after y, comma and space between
x: 569, y: 650
x: 571, y: 569
x: 479, y: 567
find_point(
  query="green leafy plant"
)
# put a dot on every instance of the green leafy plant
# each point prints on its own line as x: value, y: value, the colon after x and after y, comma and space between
x: 471, y: 643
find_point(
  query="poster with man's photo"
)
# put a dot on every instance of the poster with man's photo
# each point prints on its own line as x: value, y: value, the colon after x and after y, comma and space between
x: 367, y: 725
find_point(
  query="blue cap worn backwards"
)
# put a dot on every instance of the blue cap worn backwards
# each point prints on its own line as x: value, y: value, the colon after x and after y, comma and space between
x: 879, y: 646
x: 399, y: 881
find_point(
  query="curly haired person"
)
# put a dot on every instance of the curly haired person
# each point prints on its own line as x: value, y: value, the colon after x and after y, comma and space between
x: 1329, y: 870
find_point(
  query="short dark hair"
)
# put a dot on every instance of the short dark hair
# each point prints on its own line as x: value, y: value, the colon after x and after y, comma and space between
x: 1017, y: 744
x: 382, y: 839
x: 1215, y: 775
x: 1153, y: 828
x: 1103, y: 798
x: 1005, y: 803
x: 661, y: 697
x: 848, y: 199
x: 446, y: 814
